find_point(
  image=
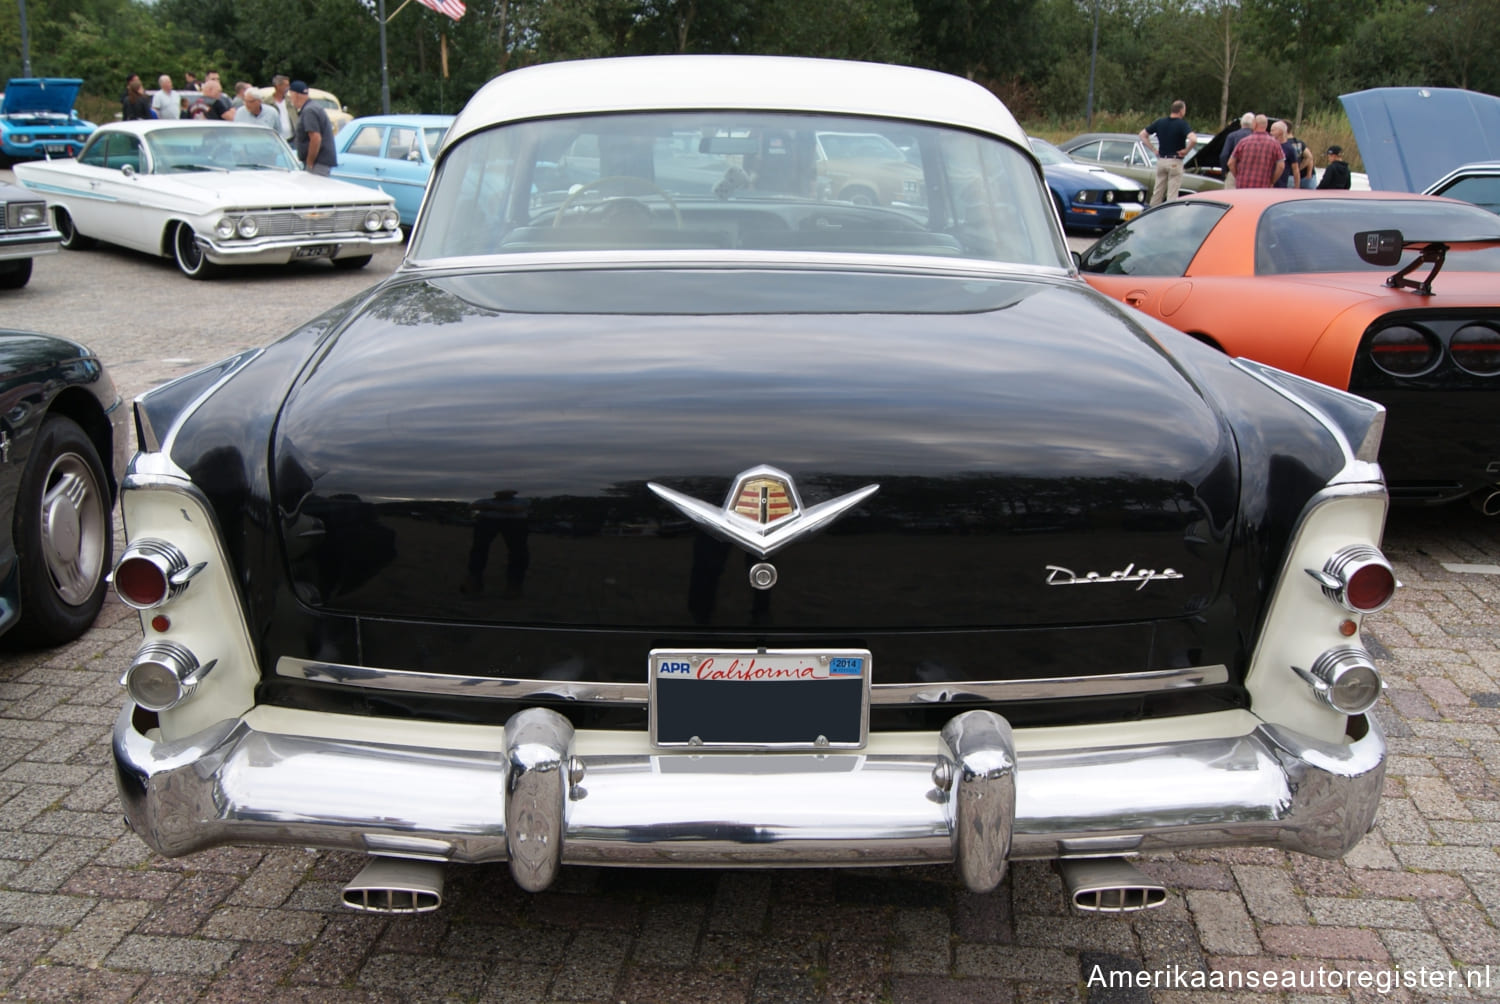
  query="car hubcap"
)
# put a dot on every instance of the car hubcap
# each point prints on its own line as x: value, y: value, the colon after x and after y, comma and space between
x: 73, y: 528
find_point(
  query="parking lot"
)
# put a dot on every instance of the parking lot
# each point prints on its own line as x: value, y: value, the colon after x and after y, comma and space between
x: 87, y: 913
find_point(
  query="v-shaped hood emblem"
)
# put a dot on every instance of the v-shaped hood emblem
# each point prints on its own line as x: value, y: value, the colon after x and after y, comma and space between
x: 763, y: 512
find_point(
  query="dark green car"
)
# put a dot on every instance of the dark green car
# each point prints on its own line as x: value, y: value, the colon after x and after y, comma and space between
x: 63, y: 445
x: 1124, y: 153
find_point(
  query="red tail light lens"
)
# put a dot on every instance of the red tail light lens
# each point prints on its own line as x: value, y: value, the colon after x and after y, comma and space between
x: 1358, y: 578
x: 140, y: 582
x: 1404, y: 350
x: 1370, y: 587
x: 1476, y: 348
x: 151, y: 572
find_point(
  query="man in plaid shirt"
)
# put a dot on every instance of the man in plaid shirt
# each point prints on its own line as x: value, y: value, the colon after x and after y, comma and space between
x: 1258, y: 159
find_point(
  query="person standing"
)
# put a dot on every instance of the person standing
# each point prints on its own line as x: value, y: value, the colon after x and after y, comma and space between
x: 1174, y: 138
x: 314, y: 132
x: 1336, y: 174
x: 256, y: 112
x: 191, y: 82
x: 166, y: 103
x: 1291, y: 157
x: 136, y: 104
x: 278, y: 99
x: 1247, y: 126
x: 1258, y: 160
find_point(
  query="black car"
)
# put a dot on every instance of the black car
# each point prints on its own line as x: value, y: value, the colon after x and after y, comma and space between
x: 637, y: 521
x: 64, y: 438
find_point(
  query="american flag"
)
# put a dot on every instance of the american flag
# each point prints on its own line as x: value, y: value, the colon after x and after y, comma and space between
x: 453, y: 8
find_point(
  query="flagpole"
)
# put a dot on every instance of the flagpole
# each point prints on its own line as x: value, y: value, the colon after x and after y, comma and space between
x: 385, y: 75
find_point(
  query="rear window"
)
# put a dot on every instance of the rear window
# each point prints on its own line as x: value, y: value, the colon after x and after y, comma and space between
x: 1317, y: 235
x: 739, y: 181
x: 1160, y: 242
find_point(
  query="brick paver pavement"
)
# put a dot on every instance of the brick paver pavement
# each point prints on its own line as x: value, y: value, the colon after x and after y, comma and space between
x: 88, y: 914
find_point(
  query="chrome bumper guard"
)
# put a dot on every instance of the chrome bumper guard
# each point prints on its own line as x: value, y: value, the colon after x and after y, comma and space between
x: 974, y: 801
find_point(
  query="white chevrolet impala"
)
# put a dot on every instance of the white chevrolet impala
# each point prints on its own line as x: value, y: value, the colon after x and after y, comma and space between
x: 208, y: 194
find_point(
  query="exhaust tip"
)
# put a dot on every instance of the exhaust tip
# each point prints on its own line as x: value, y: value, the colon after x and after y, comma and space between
x: 396, y: 886
x: 1109, y: 885
x: 1486, y: 501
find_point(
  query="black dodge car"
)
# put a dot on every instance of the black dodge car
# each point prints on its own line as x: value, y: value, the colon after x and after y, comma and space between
x: 665, y: 508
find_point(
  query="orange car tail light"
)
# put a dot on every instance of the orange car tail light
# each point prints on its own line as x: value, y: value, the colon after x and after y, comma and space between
x: 1405, y: 350
x: 1476, y: 349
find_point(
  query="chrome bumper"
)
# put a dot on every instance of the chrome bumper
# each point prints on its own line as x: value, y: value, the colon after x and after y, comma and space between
x: 282, y: 249
x: 28, y: 244
x: 973, y: 801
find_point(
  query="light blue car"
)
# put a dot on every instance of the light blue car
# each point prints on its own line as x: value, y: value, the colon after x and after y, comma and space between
x: 37, y: 119
x: 392, y: 153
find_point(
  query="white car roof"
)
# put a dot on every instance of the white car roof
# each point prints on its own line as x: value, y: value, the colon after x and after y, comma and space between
x: 771, y: 83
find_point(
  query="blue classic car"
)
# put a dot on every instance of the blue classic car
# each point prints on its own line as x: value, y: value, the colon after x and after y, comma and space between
x: 392, y: 153
x: 1088, y: 197
x: 37, y: 118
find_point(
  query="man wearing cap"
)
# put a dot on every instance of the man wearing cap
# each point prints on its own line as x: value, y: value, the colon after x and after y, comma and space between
x: 314, y: 132
x: 257, y: 112
x: 1336, y: 174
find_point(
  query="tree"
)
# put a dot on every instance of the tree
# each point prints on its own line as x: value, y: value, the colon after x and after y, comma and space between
x: 1304, y: 33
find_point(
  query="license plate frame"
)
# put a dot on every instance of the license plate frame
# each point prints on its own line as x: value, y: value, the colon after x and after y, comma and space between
x: 315, y: 251
x: 759, y: 699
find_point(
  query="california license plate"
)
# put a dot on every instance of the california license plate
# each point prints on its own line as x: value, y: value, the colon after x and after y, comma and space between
x: 774, y: 699
x: 314, y: 251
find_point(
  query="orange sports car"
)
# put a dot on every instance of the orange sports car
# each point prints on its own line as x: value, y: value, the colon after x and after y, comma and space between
x: 1395, y: 297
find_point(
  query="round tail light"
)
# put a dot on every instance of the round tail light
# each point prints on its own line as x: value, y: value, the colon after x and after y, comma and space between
x: 1404, y: 350
x: 1476, y: 349
x: 163, y: 675
x: 150, y: 573
x: 1346, y: 681
x: 1358, y: 578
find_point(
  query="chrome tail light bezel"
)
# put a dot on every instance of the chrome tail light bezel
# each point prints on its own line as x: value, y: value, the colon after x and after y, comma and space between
x: 176, y: 661
x: 170, y: 564
x: 1342, y: 568
x: 1333, y: 668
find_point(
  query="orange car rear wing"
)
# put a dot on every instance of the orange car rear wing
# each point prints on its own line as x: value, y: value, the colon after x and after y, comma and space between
x: 1384, y: 247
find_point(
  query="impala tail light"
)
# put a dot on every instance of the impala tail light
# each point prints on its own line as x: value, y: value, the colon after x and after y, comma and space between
x: 151, y: 572
x: 1358, y: 578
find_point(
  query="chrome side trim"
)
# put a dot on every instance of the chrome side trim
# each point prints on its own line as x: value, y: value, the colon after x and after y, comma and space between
x: 234, y: 784
x: 506, y: 688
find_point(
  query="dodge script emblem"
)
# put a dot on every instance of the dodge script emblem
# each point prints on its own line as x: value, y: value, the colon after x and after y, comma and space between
x: 763, y: 513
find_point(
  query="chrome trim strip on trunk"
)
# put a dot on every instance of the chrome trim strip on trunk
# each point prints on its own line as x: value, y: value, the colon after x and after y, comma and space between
x: 231, y: 783
x: 506, y: 688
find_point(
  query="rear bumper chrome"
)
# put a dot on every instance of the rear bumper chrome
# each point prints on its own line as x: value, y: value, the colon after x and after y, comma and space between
x: 531, y: 801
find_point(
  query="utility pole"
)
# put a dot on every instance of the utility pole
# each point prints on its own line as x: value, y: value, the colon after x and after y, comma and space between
x: 25, y: 43
x: 1088, y: 112
x: 385, y: 75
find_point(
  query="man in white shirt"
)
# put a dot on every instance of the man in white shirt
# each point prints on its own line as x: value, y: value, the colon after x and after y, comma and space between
x: 166, y: 103
x: 288, y: 128
x: 256, y: 111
